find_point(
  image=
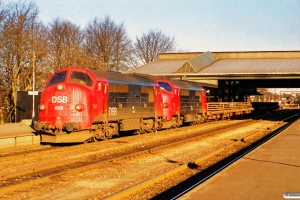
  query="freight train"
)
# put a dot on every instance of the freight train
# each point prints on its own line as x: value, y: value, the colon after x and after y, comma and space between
x: 83, y: 105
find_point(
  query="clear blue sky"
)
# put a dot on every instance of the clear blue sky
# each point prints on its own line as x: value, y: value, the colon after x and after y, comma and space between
x: 197, y: 25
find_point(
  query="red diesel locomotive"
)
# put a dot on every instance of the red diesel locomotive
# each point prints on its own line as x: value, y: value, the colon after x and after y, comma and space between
x: 81, y: 105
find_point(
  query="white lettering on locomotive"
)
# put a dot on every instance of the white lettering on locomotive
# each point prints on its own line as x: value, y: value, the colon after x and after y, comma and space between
x: 58, y: 107
x: 59, y: 99
x: 113, y: 111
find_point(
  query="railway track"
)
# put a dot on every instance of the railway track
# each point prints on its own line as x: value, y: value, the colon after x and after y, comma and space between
x: 25, y: 151
x: 195, y: 181
x: 30, y: 178
x: 188, y: 181
x: 18, y: 179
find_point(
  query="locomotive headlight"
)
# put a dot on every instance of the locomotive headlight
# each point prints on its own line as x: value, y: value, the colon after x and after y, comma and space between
x: 59, y: 87
x: 79, y: 107
x: 42, y: 107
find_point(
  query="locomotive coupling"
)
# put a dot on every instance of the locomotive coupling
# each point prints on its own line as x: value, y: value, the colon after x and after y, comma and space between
x: 70, y: 126
x: 38, y: 126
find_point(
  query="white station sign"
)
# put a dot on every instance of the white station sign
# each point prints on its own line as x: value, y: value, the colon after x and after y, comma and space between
x: 33, y: 93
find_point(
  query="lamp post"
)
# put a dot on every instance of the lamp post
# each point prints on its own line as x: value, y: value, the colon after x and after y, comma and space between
x: 33, y: 80
x: 33, y: 85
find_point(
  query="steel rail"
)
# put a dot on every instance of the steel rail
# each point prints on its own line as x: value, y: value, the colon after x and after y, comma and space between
x: 24, y: 152
x: 35, y: 178
x: 40, y: 179
x: 265, y: 139
x: 139, y: 188
x: 178, y: 139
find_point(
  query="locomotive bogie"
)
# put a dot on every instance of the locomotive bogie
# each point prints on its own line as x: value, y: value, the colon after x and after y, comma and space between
x: 103, y: 131
x: 148, y: 125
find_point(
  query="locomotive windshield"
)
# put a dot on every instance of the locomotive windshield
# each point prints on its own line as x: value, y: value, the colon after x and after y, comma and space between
x: 58, y: 77
x: 81, y: 78
x: 165, y: 86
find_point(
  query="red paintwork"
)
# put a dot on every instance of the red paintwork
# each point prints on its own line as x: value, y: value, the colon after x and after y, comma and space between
x: 92, y: 102
x: 158, y: 102
x: 100, y: 99
x: 204, y: 101
x: 60, y: 105
x: 82, y: 104
x: 79, y: 106
x: 170, y: 100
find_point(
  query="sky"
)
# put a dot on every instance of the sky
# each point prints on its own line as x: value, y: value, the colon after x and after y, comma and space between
x: 197, y: 25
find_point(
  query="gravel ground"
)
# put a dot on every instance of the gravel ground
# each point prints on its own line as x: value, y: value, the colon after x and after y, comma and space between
x: 104, y: 180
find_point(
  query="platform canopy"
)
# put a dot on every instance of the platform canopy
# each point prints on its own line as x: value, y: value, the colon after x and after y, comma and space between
x: 209, y: 67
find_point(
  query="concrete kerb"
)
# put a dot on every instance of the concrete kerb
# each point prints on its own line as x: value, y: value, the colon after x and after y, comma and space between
x: 18, y: 134
x: 19, y: 141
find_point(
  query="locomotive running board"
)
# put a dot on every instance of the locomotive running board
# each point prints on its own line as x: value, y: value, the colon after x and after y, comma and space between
x: 74, y: 137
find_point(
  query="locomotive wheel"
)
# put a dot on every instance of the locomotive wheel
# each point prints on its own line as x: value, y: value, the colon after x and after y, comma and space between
x: 89, y: 140
x: 202, y: 120
x: 107, y: 134
x: 138, y: 132
x: 215, y: 118
x: 229, y: 116
x: 224, y: 116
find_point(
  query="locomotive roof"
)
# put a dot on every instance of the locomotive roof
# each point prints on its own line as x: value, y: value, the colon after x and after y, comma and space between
x: 188, y: 85
x: 117, y: 77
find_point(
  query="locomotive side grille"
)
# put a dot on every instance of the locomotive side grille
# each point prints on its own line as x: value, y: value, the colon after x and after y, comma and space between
x: 184, y: 92
x: 118, y: 88
x: 132, y: 101
x: 190, y: 105
x: 148, y: 91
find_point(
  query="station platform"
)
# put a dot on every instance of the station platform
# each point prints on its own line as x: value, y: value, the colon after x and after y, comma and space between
x: 17, y: 134
x: 272, y: 171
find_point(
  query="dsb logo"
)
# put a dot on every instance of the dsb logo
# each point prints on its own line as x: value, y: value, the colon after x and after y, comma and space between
x: 59, y: 99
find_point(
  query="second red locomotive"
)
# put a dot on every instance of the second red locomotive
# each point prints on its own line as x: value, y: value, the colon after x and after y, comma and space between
x: 81, y: 105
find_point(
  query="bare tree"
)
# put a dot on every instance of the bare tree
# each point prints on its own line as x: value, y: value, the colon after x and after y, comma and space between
x: 27, y: 46
x: 149, y: 45
x: 65, y: 41
x: 18, y: 40
x: 107, y: 45
x: 4, y: 84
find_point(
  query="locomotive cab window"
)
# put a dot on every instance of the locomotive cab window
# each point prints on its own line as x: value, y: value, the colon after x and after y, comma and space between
x: 165, y: 86
x: 57, y: 78
x: 81, y: 78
